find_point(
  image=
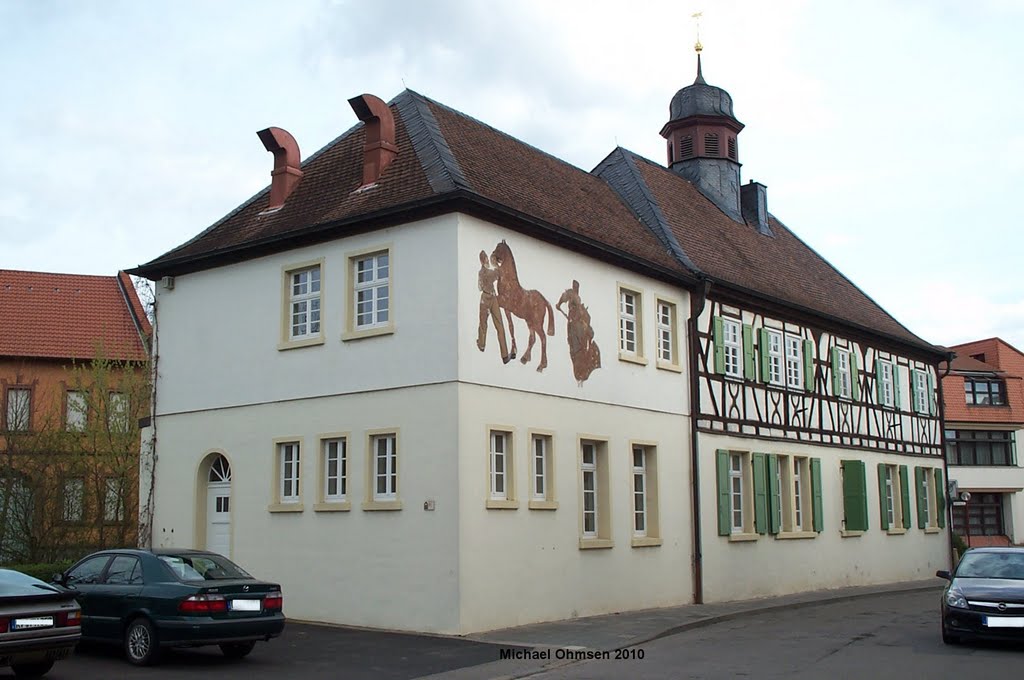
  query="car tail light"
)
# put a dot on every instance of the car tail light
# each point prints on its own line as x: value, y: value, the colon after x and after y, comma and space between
x: 273, y: 601
x: 203, y: 604
x: 4, y: 623
x: 69, y: 618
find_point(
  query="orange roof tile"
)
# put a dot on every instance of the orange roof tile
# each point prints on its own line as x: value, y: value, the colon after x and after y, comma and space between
x: 70, y: 316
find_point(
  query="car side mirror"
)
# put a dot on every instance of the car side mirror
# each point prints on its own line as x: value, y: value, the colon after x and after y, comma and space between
x: 58, y: 579
x: 942, y: 573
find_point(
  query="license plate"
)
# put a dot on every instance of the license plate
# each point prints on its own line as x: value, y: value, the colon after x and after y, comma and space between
x: 35, y: 622
x: 246, y: 605
x: 1004, y: 621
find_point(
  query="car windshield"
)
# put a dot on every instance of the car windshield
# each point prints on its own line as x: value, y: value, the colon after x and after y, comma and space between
x: 1008, y: 565
x: 203, y: 566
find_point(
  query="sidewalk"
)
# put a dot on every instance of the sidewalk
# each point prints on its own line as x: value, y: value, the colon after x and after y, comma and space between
x: 615, y: 631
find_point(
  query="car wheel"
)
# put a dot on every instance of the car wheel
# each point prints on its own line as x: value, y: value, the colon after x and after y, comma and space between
x: 32, y: 670
x: 236, y: 650
x: 140, y: 643
x: 949, y: 639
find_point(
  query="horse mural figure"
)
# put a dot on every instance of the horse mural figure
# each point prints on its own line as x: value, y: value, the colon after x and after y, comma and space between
x: 584, y: 352
x: 528, y: 305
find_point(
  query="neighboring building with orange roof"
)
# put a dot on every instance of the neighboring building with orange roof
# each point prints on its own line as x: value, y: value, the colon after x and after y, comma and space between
x: 983, y: 395
x: 73, y: 355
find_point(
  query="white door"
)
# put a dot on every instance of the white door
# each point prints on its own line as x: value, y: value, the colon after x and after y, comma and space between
x: 218, y: 508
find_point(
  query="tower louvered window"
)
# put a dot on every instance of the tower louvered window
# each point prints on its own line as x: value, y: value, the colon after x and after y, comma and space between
x: 732, y: 148
x: 711, y: 144
x: 685, y: 147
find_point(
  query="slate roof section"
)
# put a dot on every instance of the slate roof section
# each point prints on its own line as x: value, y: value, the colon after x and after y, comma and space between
x: 779, y: 267
x: 68, y: 316
x: 629, y: 211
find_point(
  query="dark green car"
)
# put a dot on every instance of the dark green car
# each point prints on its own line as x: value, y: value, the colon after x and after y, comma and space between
x: 152, y: 599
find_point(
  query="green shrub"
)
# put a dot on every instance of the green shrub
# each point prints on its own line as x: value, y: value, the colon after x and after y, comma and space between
x: 43, y: 572
x: 958, y: 544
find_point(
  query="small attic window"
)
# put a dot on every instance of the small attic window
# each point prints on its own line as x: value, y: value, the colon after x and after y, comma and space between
x: 711, y: 144
x: 732, y: 148
x: 685, y: 147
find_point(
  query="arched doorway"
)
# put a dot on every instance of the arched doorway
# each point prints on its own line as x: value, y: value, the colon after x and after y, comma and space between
x: 218, y: 507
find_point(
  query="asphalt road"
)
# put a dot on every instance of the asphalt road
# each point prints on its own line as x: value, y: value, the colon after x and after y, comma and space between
x: 303, y: 651
x: 880, y: 637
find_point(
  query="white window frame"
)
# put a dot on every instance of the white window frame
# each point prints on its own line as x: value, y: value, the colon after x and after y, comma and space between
x: 336, y: 449
x: 737, y: 492
x: 117, y: 411
x: 667, y: 350
x: 921, y: 396
x: 589, y: 471
x: 289, y: 460
x: 843, y: 373
x: 886, y: 373
x: 794, y: 352
x: 630, y: 319
x: 304, y: 300
x: 72, y: 500
x: 500, y: 459
x: 19, y: 409
x: 376, y: 281
x: 732, y: 347
x: 388, y: 454
x: 640, y: 495
x: 775, y: 357
x: 540, y: 459
x: 113, y: 500
x: 76, y: 403
x: 891, y: 496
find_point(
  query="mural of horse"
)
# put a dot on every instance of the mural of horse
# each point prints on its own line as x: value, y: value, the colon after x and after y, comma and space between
x: 583, y: 350
x: 528, y: 305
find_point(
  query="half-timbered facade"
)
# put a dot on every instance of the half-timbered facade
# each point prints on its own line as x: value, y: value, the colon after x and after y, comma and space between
x: 452, y: 355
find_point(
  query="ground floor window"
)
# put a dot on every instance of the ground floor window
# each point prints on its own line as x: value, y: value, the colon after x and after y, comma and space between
x: 981, y: 516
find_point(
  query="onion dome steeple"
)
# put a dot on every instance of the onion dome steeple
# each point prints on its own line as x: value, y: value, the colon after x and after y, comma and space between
x: 702, y: 147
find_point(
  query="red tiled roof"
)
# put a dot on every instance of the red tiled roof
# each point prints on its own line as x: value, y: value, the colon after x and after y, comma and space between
x: 70, y: 316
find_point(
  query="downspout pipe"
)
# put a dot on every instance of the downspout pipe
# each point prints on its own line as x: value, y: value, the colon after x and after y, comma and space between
x: 945, y: 459
x: 696, y: 309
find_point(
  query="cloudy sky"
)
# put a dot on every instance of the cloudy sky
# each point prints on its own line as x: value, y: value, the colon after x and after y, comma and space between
x: 890, y: 134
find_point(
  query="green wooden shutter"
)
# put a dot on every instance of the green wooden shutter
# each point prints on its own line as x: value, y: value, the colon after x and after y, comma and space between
x: 931, y: 394
x: 724, y: 506
x: 883, y: 515
x: 855, y: 495
x: 835, y: 372
x: 940, y: 499
x: 762, y: 337
x: 809, y: 365
x: 896, y: 385
x: 913, y: 390
x: 905, y: 493
x: 760, y: 494
x: 774, y: 516
x: 716, y: 325
x: 854, y: 377
x: 816, y: 494
x: 749, y: 370
x: 879, y: 393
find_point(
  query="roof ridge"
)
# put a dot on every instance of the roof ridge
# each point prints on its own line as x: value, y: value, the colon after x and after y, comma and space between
x: 428, y: 142
x: 30, y: 271
x: 651, y: 217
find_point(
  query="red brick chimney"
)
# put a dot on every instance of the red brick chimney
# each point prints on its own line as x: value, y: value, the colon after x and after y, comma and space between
x: 286, y: 173
x: 379, y: 149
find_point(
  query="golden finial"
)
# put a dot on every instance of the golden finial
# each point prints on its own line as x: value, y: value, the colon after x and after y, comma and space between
x: 697, y: 46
